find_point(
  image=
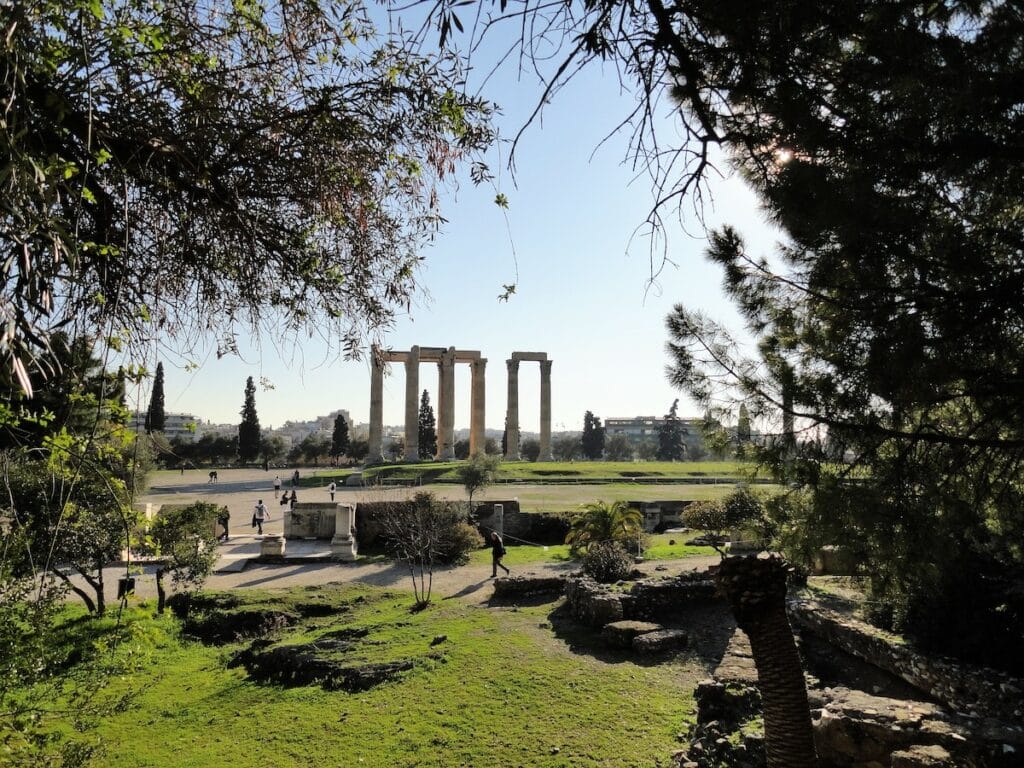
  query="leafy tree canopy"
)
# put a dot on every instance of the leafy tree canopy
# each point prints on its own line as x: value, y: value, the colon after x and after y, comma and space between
x: 197, y: 168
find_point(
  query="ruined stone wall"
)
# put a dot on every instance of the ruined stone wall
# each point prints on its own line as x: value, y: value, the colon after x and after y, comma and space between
x: 647, y: 600
x: 975, y: 691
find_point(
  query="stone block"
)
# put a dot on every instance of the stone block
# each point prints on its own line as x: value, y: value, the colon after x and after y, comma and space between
x: 930, y: 756
x: 620, y: 634
x: 660, y: 641
x: 525, y: 586
x: 604, y: 609
x: 272, y: 547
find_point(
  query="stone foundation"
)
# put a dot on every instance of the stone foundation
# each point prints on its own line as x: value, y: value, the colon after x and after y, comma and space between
x: 511, y: 587
x: 975, y: 691
x: 852, y: 729
x: 647, y: 600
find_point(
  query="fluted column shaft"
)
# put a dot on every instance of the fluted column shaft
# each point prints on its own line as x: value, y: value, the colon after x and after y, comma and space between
x: 412, y: 405
x: 512, y: 413
x: 376, y: 453
x: 545, y: 412
x: 477, y: 407
x: 446, y: 418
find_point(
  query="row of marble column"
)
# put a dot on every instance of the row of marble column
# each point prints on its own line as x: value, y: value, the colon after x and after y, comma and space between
x: 512, y: 412
x: 446, y: 360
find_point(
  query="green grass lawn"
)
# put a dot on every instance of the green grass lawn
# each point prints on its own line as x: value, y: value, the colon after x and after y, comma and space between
x: 658, y: 548
x: 526, y: 471
x: 506, y: 690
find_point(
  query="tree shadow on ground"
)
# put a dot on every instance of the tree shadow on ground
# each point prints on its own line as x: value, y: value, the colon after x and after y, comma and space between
x: 708, y: 626
x: 468, y: 589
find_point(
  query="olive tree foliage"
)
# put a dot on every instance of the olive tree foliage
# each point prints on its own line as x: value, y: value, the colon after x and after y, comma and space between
x: 477, y: 474
x: 184, y: 539
x: 76, y: 518
x: 198, y: 168
x: 718, y: 516
x: 421, y: 533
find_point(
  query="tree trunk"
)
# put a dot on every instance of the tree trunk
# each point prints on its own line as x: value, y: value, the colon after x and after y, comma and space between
x: 161, y: 593
x: 90, y: 606
x: 101, y: 598
x: 756, y: 590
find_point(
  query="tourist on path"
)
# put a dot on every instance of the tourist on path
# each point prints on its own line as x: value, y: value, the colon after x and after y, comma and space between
x: 497, y: 552
x: 213, y: 477
x: 293, y: 501
x: 330, y: 489
x: 295, y: 478
x: 260, y: 516
x: 223, y: 517
x: 277, y: 485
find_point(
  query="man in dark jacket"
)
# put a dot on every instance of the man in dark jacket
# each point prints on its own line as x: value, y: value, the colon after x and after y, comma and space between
x: 497, y: 552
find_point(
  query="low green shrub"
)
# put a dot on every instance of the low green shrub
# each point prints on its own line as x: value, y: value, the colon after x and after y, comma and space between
x: 460, y: 542
x: 607, y: 561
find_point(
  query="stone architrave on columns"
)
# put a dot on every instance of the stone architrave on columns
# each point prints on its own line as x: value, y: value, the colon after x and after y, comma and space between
x: 376, y: 436
x: 545, y: 412
x: 477, y: 437
x: 412, y: 405
x: 512, y: 413
x: 446, y: 422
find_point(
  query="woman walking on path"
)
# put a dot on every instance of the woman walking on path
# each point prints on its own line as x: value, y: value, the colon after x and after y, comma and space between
x: 497, y: 552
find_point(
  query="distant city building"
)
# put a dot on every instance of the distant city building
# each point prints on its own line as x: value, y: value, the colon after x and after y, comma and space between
x: 294, y: 432
x: 636, y: 428
x: 176, y: 425
x: 640, y: 429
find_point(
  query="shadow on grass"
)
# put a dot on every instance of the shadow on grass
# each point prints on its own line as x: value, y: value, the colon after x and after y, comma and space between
x: 709, y: 626
x: 468, y: 590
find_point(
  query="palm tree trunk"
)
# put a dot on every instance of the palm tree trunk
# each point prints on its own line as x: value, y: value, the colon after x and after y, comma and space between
x: 756, y: 590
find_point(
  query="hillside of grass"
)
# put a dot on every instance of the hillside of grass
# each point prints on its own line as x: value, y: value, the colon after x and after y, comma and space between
x: 502, y: 688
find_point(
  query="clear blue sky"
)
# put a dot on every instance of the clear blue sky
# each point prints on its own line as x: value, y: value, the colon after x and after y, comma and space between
x: 581, y: 297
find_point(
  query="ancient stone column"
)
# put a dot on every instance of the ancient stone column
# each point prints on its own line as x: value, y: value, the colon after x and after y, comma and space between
x: 477, y: 412
x: 412, y: 405
x: 545, y: 411
x: 446, y: 418
x: 442, y: 408
x: 343, y: 545
x: 376, y: 453
x: 512, y: 414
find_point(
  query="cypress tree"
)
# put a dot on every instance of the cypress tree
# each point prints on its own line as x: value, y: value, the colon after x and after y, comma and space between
x: 743, y: 426
x: 339, y: 439
x: 427, y: 428
x: 592, y: 440
x: 670, y: 436
x: 249, y: 429
x: 155, y: 416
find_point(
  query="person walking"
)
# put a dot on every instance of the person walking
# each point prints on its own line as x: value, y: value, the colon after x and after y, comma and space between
x: 277, y: 485
x: 497, y: 552
x: 331, y: 488
x: 295, y: 478
x: 223, y: 517
x: 260, y: 515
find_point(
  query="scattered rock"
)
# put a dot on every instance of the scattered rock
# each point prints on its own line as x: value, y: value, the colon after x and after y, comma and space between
x: 295, y: 665
x: 660, y: 641
x: 219, y: 628
x: 438, y: 640
x: 621, y: 634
